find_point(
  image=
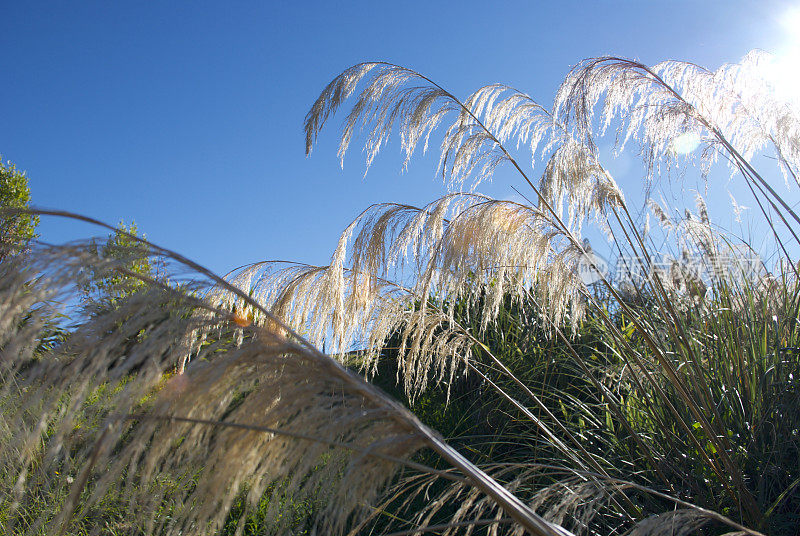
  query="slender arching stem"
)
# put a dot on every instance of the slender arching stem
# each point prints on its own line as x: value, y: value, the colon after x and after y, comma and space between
x: 511, y: 504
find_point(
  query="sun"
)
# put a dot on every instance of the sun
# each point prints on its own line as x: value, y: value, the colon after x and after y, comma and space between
x: 784, y: 70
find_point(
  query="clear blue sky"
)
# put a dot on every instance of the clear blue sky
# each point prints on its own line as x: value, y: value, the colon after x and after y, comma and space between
x: 187, y: 116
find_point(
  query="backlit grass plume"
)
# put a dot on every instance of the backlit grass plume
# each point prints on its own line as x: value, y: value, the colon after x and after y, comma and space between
x: 500, y: 256
x: 661, y: 399
x: 114, y: 424
x: 455, y: 242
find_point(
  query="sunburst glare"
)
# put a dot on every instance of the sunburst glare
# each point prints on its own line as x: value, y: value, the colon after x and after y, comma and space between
x: 783, y: 71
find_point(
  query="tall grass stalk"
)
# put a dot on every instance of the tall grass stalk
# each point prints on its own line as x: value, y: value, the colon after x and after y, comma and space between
x: 666, y: 403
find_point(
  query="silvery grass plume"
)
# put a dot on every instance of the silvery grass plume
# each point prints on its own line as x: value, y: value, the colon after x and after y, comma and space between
x: 103, y: 420
x: 485, y: 248
x: 732, y: 108
x: 573, y: 187
x: 376, y: 308
x: 675, y: 109
x: 670, y: 110
x: 396, y: 265
x: 474, y: 144
x: 295, y: 293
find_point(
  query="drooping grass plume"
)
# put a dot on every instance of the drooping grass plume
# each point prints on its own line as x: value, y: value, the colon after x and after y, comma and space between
x: 456, y: 242
x: 663, y: 378
x: 108, y: 420
x: 659, y: 402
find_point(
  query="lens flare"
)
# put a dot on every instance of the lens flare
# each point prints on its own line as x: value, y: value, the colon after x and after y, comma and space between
x: 686, y: 142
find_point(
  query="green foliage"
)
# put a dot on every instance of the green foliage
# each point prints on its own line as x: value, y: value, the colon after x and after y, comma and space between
x: 125, y: 258
x: 16, y: 230
x: 612, y: 409
x: 293, y: 515
x: 721, y: 405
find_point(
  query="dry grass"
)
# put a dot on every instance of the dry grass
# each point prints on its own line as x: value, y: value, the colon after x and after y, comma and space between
x: 199, y: 394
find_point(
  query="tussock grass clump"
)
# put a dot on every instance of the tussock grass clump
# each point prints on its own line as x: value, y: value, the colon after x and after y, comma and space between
x: 662, y: 399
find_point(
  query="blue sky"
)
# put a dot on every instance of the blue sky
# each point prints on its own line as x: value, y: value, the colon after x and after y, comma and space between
x: 187, y: 116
